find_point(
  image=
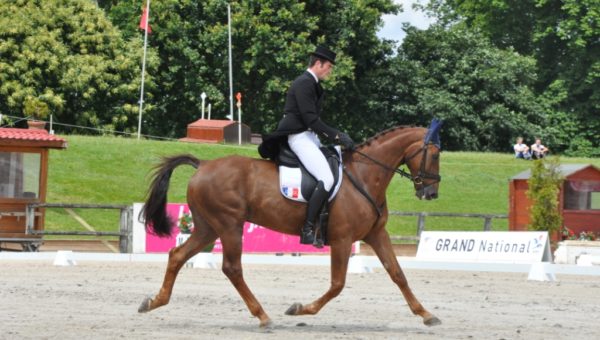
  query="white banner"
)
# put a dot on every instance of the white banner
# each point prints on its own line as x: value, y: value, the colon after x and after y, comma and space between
x: 485, y: 246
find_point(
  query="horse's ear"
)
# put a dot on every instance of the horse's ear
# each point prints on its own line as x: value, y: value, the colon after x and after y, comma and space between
x: 433, y: 133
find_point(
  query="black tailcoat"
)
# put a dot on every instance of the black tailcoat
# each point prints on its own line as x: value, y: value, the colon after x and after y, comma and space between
x: 302, y: 110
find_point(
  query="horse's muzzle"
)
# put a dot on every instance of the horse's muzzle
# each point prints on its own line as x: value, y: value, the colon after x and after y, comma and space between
x: 428, y: 192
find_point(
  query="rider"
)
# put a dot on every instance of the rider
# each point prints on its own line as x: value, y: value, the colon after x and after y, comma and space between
x: 302, y: 126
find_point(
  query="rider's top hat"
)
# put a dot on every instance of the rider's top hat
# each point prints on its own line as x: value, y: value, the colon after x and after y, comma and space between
x: 324, y: 53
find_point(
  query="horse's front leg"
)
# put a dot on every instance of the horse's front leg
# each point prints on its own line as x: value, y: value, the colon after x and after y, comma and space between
x: 379, y: 240
x: 178, y: 256
x: 232, y: 268
x: 340, y: 253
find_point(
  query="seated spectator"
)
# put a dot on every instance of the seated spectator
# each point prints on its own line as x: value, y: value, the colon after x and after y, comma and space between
x: 538, y: 150
x: 521, y: 150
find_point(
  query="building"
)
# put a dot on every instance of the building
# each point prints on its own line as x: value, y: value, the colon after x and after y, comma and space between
x: 578, y: 199
x: 23, y: 178
x: 216, y: 131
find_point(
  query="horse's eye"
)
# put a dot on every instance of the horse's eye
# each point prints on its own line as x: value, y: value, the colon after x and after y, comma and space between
x: 435, y: 157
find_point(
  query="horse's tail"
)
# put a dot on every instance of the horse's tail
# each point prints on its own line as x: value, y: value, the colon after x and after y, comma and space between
x: 154, y: 212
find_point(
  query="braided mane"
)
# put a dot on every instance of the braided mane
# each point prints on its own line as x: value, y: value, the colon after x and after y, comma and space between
x: 382, y: 133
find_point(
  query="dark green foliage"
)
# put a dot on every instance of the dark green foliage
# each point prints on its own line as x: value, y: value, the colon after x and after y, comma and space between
x: 271, y: 43
x: 563, y: 36
x: 493, y: 70
x: 481, y: 92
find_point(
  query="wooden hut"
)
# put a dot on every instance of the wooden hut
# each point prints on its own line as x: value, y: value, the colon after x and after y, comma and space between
x: 216, y: 131
x: 579, y: 198
x: 23, y: 178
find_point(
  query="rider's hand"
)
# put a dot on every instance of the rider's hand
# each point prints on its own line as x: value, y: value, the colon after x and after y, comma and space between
x: 345, y: 141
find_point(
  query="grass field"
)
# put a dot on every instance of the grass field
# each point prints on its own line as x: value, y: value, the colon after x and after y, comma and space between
x: 109, y: 170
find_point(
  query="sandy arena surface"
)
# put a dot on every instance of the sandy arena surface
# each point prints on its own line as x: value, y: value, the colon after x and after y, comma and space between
x: 96, y: 300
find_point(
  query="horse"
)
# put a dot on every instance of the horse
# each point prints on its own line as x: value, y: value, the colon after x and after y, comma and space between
x: 225, y: 192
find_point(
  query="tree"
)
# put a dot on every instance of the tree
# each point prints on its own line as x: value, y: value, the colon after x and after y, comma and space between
x: 65, y: 56
x: 271, y: 43
x: 482, y: 92
x: 544, y: 186
x: 564, y: 38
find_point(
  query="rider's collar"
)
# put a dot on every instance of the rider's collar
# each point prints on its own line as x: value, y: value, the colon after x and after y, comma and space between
x: 314, y: 75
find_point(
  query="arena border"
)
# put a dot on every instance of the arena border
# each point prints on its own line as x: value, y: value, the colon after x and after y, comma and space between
x: 358, y: 263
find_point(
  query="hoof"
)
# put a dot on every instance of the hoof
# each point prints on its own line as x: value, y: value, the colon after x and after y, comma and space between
x: 145, y: 306
x: 267, y: 324
x: 432, y: 321
x: 294, y: 309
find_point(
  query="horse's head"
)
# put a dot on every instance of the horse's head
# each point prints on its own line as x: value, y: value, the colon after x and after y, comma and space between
x: 423, y: 161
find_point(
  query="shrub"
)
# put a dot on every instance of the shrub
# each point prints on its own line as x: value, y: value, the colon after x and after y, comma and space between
x: 544, y: 186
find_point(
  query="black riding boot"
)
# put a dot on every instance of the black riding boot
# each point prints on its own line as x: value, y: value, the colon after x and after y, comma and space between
x: 314, y: 206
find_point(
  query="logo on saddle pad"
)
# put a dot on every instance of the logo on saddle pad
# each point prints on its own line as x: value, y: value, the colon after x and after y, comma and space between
x: 293, y: 193
x: 296, y: 183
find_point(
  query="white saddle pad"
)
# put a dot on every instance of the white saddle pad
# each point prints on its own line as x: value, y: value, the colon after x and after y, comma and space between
x: 290, y: 181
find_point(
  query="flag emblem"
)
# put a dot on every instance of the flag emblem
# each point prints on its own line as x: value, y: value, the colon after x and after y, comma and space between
x: 144, y: 21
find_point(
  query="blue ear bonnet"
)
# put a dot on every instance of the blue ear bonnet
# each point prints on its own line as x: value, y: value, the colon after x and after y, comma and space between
x: 433, y: 133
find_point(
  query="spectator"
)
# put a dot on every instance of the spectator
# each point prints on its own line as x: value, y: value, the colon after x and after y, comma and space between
x: 538, y: 150
x: 521, y: 149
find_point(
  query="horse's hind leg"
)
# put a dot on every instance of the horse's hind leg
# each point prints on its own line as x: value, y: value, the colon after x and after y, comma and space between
x: 232, y: 268
x: 178, y: 256
x: 379, y: 240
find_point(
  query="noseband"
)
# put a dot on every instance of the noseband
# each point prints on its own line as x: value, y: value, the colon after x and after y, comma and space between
x: 422, y: 174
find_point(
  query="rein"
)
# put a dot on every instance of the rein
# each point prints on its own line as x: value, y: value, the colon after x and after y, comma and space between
x: 418, y: 179
x: 399, y: 171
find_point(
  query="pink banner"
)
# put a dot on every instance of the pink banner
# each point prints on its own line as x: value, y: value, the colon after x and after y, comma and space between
x: 155, y: 244
x: 259, y: 239
x: 256, y: 239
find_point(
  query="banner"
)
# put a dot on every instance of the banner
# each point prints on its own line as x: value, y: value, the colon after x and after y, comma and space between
x: 485, y: 246
x: 256, y: 239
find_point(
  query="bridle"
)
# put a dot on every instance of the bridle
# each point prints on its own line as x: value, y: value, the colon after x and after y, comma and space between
x: 422, y: 174
x: 417, y: 180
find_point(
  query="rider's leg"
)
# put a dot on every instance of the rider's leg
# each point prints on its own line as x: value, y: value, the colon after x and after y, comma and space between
x: 318, y: 197
x: 306, y: 146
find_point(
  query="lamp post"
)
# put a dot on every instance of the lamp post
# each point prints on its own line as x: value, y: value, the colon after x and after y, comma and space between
x: 203, y: 96
x: 238, y: 96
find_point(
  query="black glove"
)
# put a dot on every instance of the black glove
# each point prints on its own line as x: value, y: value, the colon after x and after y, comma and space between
x: 345, y: 141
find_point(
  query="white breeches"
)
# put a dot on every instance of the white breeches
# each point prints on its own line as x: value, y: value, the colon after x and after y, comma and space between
x: 306, y: 146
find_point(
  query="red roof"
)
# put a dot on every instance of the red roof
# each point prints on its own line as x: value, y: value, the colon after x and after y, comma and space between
x: 211, y: 123
x: 30, y: 137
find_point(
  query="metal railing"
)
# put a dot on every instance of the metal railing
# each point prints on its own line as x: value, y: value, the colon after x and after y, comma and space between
x: 487, y: 221
x: 125, y: 232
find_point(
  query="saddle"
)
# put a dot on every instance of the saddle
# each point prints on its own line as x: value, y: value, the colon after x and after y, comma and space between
x: 297, y: 184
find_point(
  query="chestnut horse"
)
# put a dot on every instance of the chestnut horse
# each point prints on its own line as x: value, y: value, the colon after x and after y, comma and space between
x: 225, y: 192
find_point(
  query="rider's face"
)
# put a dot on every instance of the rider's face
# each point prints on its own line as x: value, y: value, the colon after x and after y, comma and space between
x: 323, y: 69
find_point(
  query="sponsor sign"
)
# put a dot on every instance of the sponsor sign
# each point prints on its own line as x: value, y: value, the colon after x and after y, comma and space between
x: 486, y: 246
x: 256, y: 239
